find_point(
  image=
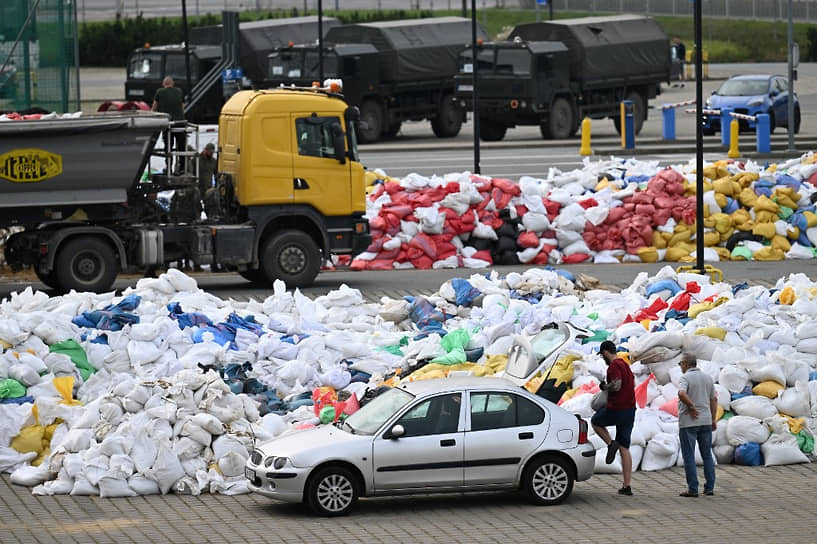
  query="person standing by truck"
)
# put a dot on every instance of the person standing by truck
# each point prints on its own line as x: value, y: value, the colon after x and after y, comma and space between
x: 679, y: 53
x: 208, y: 164
x: 169, y: 100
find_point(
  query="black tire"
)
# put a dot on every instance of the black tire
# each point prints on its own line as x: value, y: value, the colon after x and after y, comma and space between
x: 548, y: 480
x: 50, y: 279
x: 772, y: 122
x: 86, y: 264
x: 291, y: 256
x: 490, y: 131
x: 560, y: 120
x: 255, y: 275
x: 392, y: 130
x: 448, y: 122
x: 639, y: 116
x: 331, y: 491
x: 371, y: 113
x: 797, y: 120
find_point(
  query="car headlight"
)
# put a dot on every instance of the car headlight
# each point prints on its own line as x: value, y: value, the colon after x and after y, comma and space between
x: 276, y: 462
x: 708, y: 103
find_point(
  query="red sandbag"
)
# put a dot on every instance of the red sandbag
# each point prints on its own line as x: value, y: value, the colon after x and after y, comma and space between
x: 425, y: 243
x: 645, y: 210
x: 521, y: 210
x: 681, y: 302
x: 358, y: 265
x: 380, y: 264
x: 483, y: 255
x: 376, y: 245
x: 506, y: 186
x: 423, y: 263
x: 615, y: 215
x: 392, y: 188
x: 388, y: 254
x: 575, y: 258
x: 501, y: 199
x: 527, y: 239
x: 588, y: 203
x: 378, y: 223
x: 452, y: 187
x: 552, y: 208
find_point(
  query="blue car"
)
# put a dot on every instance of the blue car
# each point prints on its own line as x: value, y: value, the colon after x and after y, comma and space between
x: 751, y: 95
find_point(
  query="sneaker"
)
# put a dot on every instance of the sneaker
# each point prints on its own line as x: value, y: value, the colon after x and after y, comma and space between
x: 687, y: 493
x: 709, y: 492
x: 612, y: 448
x: 625, y: 491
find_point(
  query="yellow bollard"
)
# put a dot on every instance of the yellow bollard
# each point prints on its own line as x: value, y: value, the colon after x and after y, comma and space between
x: 734, y: 130
x: 585, y: 149
x: 622, y: 118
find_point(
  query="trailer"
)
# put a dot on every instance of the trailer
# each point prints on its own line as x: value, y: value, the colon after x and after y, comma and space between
x: 289, y: 193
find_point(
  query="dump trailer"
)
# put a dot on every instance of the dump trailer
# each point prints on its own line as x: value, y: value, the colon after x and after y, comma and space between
x: 289, y: 193
x: 212, y: 51
x: 394, y: 71
x: 555, y: 73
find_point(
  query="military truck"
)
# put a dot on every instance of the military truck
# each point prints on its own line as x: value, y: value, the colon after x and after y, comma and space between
x: 553, y: 74
x: 213, y: 50
x: 289, y: 193
x: 394, y: 71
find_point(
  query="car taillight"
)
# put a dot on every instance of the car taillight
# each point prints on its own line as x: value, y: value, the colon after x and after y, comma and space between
x: 582, y: 431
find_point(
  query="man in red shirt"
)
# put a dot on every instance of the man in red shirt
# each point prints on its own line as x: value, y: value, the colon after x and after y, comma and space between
x: 620, y: 411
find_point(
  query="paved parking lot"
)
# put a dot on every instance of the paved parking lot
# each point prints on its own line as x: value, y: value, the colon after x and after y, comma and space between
x: 752, y: 504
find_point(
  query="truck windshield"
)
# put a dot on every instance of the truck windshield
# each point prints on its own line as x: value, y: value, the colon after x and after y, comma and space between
x: 145, y: 65
x: 312, y: 68
x: 286, y: 64
x: 514, y: 61
x: 485, y: 57
x: 175, y: 67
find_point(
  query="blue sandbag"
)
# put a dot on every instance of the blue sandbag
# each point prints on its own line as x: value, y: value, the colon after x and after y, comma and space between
x: 465, y: 292
x: 788, y: 181
x: 732, y: 205
x: 747, y: 392
x: 749, y: 454
x: 663, y: 285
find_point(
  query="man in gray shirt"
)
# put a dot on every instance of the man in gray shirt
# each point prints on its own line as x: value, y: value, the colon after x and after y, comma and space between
x: 697, y: 410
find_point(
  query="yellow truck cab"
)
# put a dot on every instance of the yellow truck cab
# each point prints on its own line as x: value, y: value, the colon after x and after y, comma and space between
x: 290, y: 156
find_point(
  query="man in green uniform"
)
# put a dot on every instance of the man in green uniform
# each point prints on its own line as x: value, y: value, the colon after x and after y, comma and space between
x: 169, y: 100
x: 208, y: 164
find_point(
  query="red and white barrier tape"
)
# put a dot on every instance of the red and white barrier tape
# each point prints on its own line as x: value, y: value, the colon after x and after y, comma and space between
x: 677, y: 104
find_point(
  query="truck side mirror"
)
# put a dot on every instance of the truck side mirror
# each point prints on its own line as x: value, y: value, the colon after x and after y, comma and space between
x: 339, y: 143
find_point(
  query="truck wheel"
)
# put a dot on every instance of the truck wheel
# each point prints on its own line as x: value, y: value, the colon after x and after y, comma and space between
x: 86, y: 264
x: 291, y: 256
x: 254, y: 275
x: 392, y: 130
x: 640, y: 113
x: 372, y: 114
x: 448, y: 122
x: 50, y: 279
x: 490, y: 131
x: 560, y: 122
x: 797, y: 121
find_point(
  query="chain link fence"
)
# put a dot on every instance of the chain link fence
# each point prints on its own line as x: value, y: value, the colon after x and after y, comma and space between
x: 38, y: 55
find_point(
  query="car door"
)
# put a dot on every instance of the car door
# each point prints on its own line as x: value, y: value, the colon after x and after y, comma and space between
x: 504, y: 430
x: 429, y: 454
x: 780, y: 100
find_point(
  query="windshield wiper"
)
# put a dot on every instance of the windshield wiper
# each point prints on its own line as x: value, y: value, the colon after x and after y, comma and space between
x: 346, y: 424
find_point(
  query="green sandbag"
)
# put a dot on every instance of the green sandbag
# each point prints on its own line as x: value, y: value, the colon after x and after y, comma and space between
x: 598, y: 336
x: 73, y: 350
x: 741, y: 251
x: 805, y: 441
x: 11, y: 389
x: 327, y: 414
x: 395, y: 349
x: 454, y: 345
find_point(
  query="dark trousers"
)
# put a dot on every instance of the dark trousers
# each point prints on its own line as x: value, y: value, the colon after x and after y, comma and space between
x: 179, y: 144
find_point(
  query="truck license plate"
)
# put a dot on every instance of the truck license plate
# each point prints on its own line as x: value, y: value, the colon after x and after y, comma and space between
x: 249, y: 473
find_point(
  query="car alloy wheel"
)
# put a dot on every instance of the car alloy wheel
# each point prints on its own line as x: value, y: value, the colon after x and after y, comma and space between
x: 549, y: 481
x: 332, y: 491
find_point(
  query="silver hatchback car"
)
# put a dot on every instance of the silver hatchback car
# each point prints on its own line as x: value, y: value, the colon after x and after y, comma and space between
x: 444, y: 435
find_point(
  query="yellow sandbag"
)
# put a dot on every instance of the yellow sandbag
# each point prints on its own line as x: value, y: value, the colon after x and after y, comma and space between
x: 772, y: 168
x: 711, y: 171
x: 721, y: 222
x: 746, y: 178
x: 675, y: 254
x: 603, y: 183
x: 796, y: 424
x: 726, y: 235
x: 768, y: 388
x: 41, y: 457
x: 719, y: 413
x: 787, y: 296
x: 658, y: 240
x: 65, y: 387
x: 724, y: 186
x: 679, y: 237
x: 723, y: 253
x: 562, y: 370
x: 764, y: 216
x: 4, y: 344
x: 741, y: 219
x: 496, y: 363
x: 722, y: 169
x: 720, y: 200
x: 793, y: 233
x: 781, y: 243
x: 699, y: 307
x: 811, y: 219
x: 29, y: 439
x: 712, y: 238
x: 747, y: 197
x: 648, y: 254
x: 768, y: 253
x: 786, y: 196
x: 765, y: 204
x: 712, y: 332
x: 767, y: 230
x: 646, y: 323
x: 569, y: 394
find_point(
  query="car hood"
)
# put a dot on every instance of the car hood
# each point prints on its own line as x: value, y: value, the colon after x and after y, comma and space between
x: 734, y: 101
x: 306, y: 443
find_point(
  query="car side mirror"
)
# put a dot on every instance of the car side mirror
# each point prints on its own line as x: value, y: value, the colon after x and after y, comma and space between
x: 396, y: 432
x: 774, y: 93
x: 714, y: 93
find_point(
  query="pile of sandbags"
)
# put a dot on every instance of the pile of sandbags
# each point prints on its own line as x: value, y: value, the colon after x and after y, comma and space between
x: 608, y: 211
x: 161, y: 388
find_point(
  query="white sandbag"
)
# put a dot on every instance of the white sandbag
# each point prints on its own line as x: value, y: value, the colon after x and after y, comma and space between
x: 110, y: 486
x: 782, y: 449
x: 75, y: 441
x: 167, y: 470
x: 580, y: 405
x: 733, y: 378
x: 192, y: 465
x: 724, y: 397
x: 61, y: 486
x: 667, y: 339
x: 142, y: 485
x: 724, y: 454
x: 743, y: 429
x: 794, y: 401
x: 657, y: 354
x: 30, y: 476
x: 796, y: 371
x: 187, y: 448
x: 24, y: 374
x: 193, y: 431
x: 762, y: 373
x: 82, y: 487
x: 114, y: 444
x: 10, y: 458
x: 756, y: 406
x: 179, y: 280
x: 209, y: 423
x: 812, y: 395
x: 226, y: 443
x: 661, y: 452
x: 232, y: 464
x: 535, y: 222
x: 144, y: 332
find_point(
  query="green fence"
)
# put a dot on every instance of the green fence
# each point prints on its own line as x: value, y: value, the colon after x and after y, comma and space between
x: 38, y: 59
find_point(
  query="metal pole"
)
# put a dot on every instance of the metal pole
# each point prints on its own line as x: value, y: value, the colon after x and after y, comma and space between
x: 550, y: 9
x: 320, y: 42
x: 538, y: 12
x: 186, y: 50
x: 475, y: 80
x: 699, y: 137
x: 76, y: 53
x: 790, y: 99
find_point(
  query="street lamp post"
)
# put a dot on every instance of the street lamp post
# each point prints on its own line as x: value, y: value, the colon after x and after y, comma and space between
x: 475, y: 81
x: 699, y: 149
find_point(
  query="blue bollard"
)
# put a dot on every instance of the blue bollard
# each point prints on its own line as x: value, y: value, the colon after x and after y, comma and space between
x: 668, y: 116
x: 628, y: 131
x: 726, y: 119
x: 764, y: 144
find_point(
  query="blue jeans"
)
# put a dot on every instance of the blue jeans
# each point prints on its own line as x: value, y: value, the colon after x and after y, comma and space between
x: 701, y: 434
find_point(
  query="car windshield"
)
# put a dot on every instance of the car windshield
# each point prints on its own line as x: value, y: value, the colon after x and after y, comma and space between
x: 744, y: 87
x: 374, y: 413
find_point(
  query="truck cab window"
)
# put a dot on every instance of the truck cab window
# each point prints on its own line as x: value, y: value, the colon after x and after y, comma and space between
x: 145, y: 66
x: 515, y: 61
x: 175, y: 68
x: 316, y: 136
